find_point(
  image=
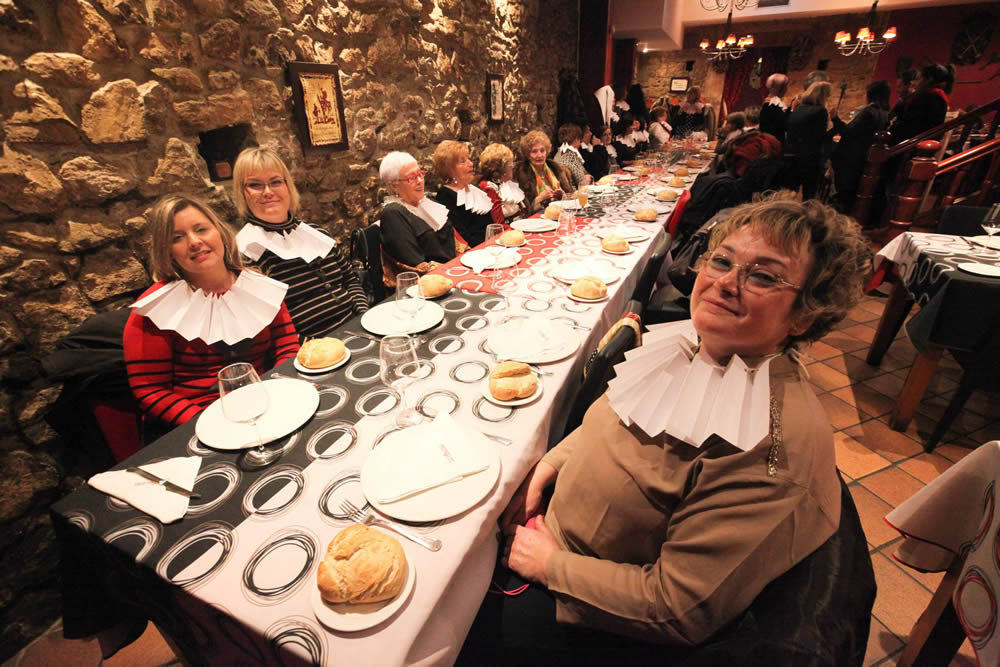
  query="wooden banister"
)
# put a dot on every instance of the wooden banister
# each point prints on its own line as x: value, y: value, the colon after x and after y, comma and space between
x: 971, y: 155
x: 962, y: 120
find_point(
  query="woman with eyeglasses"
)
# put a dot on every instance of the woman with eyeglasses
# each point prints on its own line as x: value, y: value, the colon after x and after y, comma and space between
x: 665, y: 534
x: 323, y: 288
x: 416, y: 233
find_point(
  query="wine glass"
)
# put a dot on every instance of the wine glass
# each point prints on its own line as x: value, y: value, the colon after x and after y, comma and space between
x: 244, y: 399
x: 506, y: 284
x: 493, y: 232
x: 567, y: 226
x: 409, y: 296
x: 991, y: 223
x: 399, y: 367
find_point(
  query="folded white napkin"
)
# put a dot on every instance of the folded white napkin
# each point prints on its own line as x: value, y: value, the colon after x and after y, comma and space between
x: 148, y: 496
x: 242, y: 312
x: 304, y: 242
x: 480, y: 260
x: 444, y: 453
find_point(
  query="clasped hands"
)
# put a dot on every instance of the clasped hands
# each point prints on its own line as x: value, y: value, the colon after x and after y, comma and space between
x: 527, y: 548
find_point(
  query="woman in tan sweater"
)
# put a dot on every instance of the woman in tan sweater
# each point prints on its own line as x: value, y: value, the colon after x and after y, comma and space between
x: 666, y: 537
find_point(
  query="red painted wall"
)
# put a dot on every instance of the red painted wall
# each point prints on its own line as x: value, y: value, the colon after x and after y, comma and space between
x: 926, y: 35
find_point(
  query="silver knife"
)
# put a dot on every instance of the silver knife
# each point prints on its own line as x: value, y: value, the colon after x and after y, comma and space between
x: 358, y: 334
x: 166, y: 484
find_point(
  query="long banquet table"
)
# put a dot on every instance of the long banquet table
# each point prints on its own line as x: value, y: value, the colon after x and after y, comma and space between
x: 231, y: 582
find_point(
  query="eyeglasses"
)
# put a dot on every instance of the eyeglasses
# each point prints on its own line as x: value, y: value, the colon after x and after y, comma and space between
x: 414, y: 177
x: 752, y: 277
x: 257, y: 187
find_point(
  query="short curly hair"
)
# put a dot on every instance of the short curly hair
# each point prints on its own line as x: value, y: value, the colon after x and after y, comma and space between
x: 840, y: 259
x: 447, y: 155
x: 532, y: 139
x: 493, y: 160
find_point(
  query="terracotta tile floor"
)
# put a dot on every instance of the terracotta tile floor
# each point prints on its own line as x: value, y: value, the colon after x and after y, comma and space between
x: 883, y: 468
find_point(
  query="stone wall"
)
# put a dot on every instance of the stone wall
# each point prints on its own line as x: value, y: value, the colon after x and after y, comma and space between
x: 101, y: 105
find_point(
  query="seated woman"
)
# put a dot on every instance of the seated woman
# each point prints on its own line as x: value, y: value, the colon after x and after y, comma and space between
x: 542, y: 180
x: 416, y: 233
x: 659, y: 128
x: 568, y: 155
x: 496, y: 165
x: 625, y: 141
x: 468, y: 206
x: 323, y: 288
x: 204, y: 312
x: 605, y: 159
x: 665, y: 537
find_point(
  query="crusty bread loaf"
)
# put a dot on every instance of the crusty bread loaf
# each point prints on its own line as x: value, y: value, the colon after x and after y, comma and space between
x: 616, y: 243
x: 589, y: 287
x: 511, y: 380
x: 666, y: 194
x: 361, y: 565
x: 321, y: 352
x: 605, y: 180
x: 553, y: 211
x: 681, y: 171
x: 691, y: 162
x: 512, y: 237
x: 676, y: 181
x: 433, y: 285
x: 646, y: 215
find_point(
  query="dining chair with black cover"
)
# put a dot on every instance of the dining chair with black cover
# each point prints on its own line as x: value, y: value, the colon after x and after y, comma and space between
x: 647, y: 279
x: 962, y: 220
x: 366, y: 255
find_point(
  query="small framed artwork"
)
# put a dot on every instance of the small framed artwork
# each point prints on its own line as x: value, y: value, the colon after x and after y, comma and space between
x: 318, y: 106
x: 679, y: 84
x: 494, y: 98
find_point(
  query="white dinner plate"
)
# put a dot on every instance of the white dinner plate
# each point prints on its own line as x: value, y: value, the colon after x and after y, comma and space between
x: 291, y: 404
x: 506, y: 260
x: 535, y: 225
x: 326, y: 369
x: 630, y: 233
x: 582, y: 300
x: 978, y: 269
x: 652, y: 193
x: 554, y: 340
x: 516, y: 245
x: 665, y: 180
x: 988, y: 241
x: 625, y: 177
x: 347, y: 617
x: 618, y: 252
x: 659, y: 206
x: 485, y: 387
x: 414, y: 292
x: 441, y: 502
x: 386, y: 319
x: 568, y: 272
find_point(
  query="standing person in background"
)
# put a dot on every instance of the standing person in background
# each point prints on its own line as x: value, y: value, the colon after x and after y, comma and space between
x: 637, y: 102
x: 496, y: 165
x: 774, y: 112
x: 905, y: 84
x: 926, y: 107
x: 689, y: 115
x: 807, y: 137
x: 569, y: 156
x: 856, y: 138
x: 468, y: 206
x: 659, y: 128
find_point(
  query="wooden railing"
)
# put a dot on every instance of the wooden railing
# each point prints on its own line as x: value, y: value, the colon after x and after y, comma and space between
x: 907, y: 170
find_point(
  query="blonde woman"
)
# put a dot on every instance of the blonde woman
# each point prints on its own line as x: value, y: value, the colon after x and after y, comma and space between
x: 543, y: 180
x: 496, y: 166
x: 807, y: 141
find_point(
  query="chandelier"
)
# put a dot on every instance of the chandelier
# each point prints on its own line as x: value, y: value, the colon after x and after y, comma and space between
x: 722, y: 5
x: 865, y: 42
x: 730, y: 48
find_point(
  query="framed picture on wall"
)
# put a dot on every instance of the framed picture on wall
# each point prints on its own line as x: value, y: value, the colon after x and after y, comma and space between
x: 318, y: 106
x: 494, y: 98
x: 679, y: 84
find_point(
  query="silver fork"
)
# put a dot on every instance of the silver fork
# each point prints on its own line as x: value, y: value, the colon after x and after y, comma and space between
x: 535, y: 369
x: 367, y: 518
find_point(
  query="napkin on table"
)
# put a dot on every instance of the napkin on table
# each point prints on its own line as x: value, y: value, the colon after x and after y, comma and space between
x: 482, y: 260
x: 148, y: 496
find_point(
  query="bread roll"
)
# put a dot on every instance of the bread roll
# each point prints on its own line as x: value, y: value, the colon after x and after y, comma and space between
x: 646, y: 215
x: 676, y: 181
x: 681, y: 171
x: 321, y: 352
x: 589, y: 287
x: 666, y: 194
x: 512, y: 237
x: 434, y: 285
x: 605, y: 180
x: 361, y: 565
x: 553, y: 211
x: 643, y: 171
x: 694, y: 164
x: 511, y: 380
x: 616, y: 243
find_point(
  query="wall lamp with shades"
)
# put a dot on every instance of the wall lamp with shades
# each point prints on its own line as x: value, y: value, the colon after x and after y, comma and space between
x: 865, y: 42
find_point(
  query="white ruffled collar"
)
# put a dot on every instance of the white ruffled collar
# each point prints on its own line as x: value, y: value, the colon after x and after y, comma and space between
x: 510, y: 192
x: 428, y: 210
x: 628, y: 140
x: 776, y: 101
x: 667, y: 386
x: 473, y: 199
x: 304, y: 242
x: 587, y: 147
x: 566, y: 148
x: 612, y: 151
x: 250, y: 305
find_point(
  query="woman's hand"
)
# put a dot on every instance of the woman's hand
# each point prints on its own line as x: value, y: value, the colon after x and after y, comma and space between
x: 527, y: 553
x: 527, y: 500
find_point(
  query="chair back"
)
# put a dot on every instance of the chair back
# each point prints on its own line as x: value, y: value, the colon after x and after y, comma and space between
x: 675, y: 218
x: 962, y: 220
x: 647, y: 278
x: 599, y: 370
x: 366, y: 255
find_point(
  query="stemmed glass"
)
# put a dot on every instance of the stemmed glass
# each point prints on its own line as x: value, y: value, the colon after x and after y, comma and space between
x: 399, y: 367
x: 506, y: 284
x: 493, y: 232
x: 409, y: 296
x: 567, y: 226
x: 244, y: 399
x: 991, y: 223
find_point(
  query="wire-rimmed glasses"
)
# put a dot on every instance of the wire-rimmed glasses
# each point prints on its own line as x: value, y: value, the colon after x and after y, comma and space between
x: 751, y: 276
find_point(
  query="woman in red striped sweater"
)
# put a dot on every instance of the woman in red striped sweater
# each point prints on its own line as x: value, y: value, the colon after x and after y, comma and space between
x: 204, y: 312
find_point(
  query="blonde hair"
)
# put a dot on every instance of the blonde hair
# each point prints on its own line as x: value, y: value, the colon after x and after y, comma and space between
x: 161, y: 259
x: 493, y: 160
x: 253, y: 161
x: 532, y: 139
x: 818, y: 93
x: 447, y: 155
x: 840, y: 260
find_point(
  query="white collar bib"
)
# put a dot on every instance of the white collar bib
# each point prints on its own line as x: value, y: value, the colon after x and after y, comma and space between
x: 473, y: 199
x: 666, y: 386
x: 250, y: 305
x: 776, y: 101
x: 566, y: 148
x: 510, y: 192
x: 304, y: 242
x: 431, y: 212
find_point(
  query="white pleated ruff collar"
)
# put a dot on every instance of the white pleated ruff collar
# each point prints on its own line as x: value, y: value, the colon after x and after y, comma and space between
x: 667, y: 386
x: 510, y: 192
x: 428, y: 210
x: 474, y: 199
x: 304, y: 242
x: 250, y: 305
